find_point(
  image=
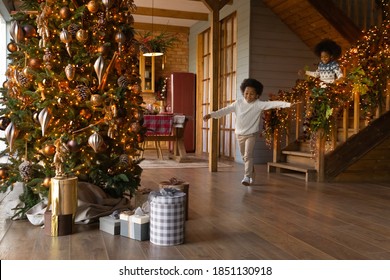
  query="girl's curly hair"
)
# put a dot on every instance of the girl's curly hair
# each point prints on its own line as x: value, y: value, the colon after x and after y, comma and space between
x: 329, y: 46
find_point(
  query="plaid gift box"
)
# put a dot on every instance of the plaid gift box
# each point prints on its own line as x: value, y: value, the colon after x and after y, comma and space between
x: 167, y: 217
x: 179, y: 185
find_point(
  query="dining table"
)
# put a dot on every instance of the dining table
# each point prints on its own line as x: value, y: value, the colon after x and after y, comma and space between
x: 166, y: 127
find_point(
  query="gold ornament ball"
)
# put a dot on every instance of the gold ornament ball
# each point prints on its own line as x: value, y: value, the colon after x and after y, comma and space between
x: 5, y: 84
x: 65, y: 13
x: 12, y: 47
x: 92, y: 6
x: 96, y: 100
x: 82, y: 35
x: 49, y: 150
x: 46, y: 182
x: 34, y: 63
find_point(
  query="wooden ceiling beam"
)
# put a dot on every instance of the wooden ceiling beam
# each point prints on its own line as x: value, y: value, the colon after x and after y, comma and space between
x: 171, y: 13
x: 161, y: 27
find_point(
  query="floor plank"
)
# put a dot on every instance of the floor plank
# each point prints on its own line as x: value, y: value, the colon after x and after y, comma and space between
x: 278, y: 218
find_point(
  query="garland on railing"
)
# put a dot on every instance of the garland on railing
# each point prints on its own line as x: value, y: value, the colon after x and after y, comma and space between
x: 368, y: 69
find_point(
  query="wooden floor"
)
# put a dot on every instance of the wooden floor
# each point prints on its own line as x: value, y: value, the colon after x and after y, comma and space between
x: 278, y: 218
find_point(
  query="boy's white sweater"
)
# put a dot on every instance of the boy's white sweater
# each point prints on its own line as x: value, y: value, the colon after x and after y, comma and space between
x: 248, y: 114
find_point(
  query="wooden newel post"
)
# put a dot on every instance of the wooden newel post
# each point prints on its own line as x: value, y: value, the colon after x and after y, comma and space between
x: 276, y: 146
x: 320, y: 154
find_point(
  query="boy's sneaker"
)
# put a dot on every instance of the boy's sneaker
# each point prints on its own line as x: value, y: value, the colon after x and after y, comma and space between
x: 246, y: 181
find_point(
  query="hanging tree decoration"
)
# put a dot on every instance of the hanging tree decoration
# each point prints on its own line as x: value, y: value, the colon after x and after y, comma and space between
x: 96, y: 141
x: 99, y: 66
x: 44, y: 119
x: 107, y: 4
x: 11, y: 133
x: 16, y: 32
x: 120, y: 38
x: 70, y: 71
x: 66, y: 38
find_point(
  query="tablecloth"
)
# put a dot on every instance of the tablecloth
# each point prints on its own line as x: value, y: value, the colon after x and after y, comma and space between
x: 158, y: 124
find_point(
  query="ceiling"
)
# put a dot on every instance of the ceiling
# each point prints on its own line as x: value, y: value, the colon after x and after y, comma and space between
x: 167, y: 15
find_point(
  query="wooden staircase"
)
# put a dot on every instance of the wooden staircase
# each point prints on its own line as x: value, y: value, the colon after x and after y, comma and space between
x: 297, y: 159
x: 332, y: 159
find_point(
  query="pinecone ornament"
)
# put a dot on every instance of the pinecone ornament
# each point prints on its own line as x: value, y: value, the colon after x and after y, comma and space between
x: 72, y: 29
x: 124, y: 160
x: 25, y: 170
x: 83, y: 92
x: 123, y: 82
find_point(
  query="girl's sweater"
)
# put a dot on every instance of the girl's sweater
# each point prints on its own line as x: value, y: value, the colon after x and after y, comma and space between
x: 327, y: 73
x: 248, y: 114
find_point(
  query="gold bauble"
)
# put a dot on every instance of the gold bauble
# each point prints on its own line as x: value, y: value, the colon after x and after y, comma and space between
x: 92, y: 6
x: 96, y: 100
x: 46, y: 182
x: 82, y: 36
x: 49, y: 150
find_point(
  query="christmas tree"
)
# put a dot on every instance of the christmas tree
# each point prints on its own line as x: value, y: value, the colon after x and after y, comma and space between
x: 72, y: 84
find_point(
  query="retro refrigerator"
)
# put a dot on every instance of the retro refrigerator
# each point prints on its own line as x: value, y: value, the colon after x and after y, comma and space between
x: 182, y: 101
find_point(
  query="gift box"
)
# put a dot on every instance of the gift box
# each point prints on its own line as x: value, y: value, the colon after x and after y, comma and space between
x: 135, y: 226
x: 58, y: 225
x: 141, y: 196
x: 124, y: 223
x: 167, y: 217
x: 61, y: 206
x: 109, y: 224
x: 179, y: 185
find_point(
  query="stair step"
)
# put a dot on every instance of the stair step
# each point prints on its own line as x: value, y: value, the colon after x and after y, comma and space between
x: 310, y: 172
x: 298, y: 153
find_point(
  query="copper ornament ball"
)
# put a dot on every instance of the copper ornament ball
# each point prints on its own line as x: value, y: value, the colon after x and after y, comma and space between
x: 34, y: 63
x: 65, y: 13
x: 3, y: 173
x: 93, y: 6
x: 49, y: 150
x: 12, y: 47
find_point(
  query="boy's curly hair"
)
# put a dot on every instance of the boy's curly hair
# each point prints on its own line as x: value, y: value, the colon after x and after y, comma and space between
x: 252, y: 83
x: 329, y: 46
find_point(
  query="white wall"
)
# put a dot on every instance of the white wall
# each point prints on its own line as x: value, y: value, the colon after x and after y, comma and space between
x: 276, y: 55
x: 267, y: 50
